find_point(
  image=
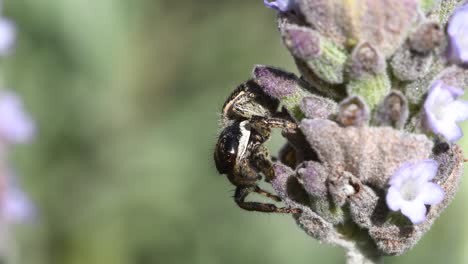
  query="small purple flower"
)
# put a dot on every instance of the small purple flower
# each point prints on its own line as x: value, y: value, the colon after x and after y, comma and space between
x: 410, y: 190
x: 15, y: 204
x: 16, y: 126
x: 443, y: 110
x: 7, y: 36
x: 281, y: 5
x: 457, y: 31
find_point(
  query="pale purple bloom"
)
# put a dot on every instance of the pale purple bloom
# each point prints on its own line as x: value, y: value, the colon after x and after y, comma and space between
x: 410, y: 190
x: 457, y: 31
x: 281, y: 5
x: 7, y: 36
x: 443, y: 110
x: 15, y: 205
x: 16, y: 126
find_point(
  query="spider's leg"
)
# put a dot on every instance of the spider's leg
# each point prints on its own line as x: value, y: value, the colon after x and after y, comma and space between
x: 244, y: 190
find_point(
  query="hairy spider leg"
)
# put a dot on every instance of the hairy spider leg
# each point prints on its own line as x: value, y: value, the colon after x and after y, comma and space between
x: 243, y: 190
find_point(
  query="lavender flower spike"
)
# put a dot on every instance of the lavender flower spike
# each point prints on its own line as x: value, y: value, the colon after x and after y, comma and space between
x: 443, y: 110
x: 7, y: 36
x: 280, y: 5
x: 410, y: 190
x: 16, y: 126
x: 457, y: 31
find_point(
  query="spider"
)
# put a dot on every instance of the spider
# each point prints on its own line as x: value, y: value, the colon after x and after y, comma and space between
x: 248, y: 116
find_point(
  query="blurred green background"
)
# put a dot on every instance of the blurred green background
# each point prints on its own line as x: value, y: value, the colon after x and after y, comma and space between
x: 126, y: 95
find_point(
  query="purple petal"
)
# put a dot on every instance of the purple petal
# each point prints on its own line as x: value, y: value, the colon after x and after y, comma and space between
x: 17, y: 206
x: 394, y: 199
x: 440, y: 92
x: 457, y: 22
x: 431, y: 194
x: 449, y: 129
x: 442, y: 110
x: 280, y: 5
x: 457, y: 31
x: 415, y: 211
x: 403, y: 173
x: 458, y: 109
x: 15, y: 125
x: 425, y: 170
x: 7, y: 36
x: 272, y: 5
x: 454, y: 91
x: 436, y: 94
x: 464, y: 55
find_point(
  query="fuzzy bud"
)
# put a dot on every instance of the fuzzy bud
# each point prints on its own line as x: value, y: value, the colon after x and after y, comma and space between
x: 408, y: 65
x: 366, y: 59
x: 426, y: 38
x: 302, y: 42
x: 368, y: 78
x: 318, y: 107
x: 285, y: 87
x: 363, y: 205
x: 353, y: 111
x: 275, y: 82
x: 313, y: 176
x: 318, y: 53
x: 393, y: 111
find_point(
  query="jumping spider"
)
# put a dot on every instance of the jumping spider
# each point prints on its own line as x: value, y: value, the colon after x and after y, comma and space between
x: 248, y: 116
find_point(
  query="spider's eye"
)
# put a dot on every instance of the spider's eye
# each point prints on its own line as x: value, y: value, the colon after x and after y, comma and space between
x: 226, y: 150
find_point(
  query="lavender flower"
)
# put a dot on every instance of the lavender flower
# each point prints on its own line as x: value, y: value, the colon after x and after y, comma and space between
x: 457, y: 31
x: 7, y: 36
x: 443, y: 110
x: 410, y: 190
x: 15, y: 204
x: 281, y: 5
x: 16, y: 126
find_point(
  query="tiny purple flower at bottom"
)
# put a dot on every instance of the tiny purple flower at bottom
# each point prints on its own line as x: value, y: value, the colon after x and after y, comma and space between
x: 280, y: 5
x: 411, y: 190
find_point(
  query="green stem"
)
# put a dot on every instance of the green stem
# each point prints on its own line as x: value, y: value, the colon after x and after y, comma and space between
x: 363, y: 256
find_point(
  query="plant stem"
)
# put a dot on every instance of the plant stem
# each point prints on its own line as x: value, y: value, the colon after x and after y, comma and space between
x: 360, y: 256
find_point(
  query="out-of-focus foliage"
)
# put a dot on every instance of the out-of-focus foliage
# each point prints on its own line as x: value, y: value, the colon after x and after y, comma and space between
x: 126, y: 96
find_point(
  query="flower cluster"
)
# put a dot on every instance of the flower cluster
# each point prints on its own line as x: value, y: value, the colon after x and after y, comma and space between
x: 442, y: 109
x: 16, y: 127
x: 376, y: 112
x: 410, y: 187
